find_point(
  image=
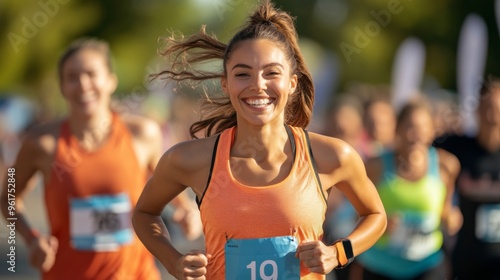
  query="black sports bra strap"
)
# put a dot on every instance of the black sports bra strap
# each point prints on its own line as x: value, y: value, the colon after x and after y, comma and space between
x: 200, y: 200
x: 315, y: 166
x: 292, y: 141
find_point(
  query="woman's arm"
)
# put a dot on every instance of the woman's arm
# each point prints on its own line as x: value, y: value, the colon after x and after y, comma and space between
x: 160, y: 189
x: 451, y: 216
x: 359, y: 189
x: 23, y: 169
x: 42, y: 249
x: 148, y: 145
x: 170, y: 178
x: 341, y: 166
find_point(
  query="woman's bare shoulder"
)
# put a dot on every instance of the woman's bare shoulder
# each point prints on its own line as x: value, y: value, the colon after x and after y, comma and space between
x: 191, y: 155
x: 43, y: 137
x: 39, y: 145
x: 337, y: 162
x: 331, y: 151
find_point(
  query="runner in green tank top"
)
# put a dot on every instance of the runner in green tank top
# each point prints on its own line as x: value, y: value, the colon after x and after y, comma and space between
x: 416, y: 184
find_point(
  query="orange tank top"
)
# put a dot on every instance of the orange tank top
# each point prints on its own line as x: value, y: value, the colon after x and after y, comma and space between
x: 111, y: 170
x: 229, y: 209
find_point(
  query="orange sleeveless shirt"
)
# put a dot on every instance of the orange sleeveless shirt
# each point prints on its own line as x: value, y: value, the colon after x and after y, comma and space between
x: 295, y: 206
x: 110, y: 170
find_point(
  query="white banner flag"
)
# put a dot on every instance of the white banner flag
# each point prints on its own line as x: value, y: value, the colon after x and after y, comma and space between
x: 472, y: 50
x: 407, y: 71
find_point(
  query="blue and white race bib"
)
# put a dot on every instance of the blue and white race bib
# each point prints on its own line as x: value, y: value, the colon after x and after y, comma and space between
x: 262, y: 259
x: 101, y: 222
x: 488, y: 223
x: 414, y: 237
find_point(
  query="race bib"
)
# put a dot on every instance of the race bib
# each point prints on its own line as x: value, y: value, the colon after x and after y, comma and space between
x: 262, y: 259
x: 488, y: 223
x: 100, y: 223
x: 414, y: 238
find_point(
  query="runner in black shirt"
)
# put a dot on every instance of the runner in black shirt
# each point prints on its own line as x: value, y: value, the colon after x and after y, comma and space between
x: 476, y: 254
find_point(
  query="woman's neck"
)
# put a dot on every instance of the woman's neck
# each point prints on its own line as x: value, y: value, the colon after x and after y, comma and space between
x: 93, y: 130
x: 411, y: 164
x: 260, y: 143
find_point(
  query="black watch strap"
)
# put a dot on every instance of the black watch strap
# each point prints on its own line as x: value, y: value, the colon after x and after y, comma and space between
x: 345, y: 252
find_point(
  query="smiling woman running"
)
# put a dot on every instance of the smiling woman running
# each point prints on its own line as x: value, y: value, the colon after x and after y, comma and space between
x: 261, y: 180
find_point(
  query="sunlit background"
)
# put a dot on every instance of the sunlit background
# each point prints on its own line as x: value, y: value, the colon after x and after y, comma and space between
x: 346, y: 42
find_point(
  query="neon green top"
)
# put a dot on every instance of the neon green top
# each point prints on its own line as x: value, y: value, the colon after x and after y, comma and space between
x: 414, y: 244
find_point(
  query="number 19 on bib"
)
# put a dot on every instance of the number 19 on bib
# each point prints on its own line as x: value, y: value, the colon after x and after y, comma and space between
x: 262, y: 259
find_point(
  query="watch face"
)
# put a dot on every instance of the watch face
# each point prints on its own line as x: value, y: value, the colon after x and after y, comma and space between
x: 348, y: 249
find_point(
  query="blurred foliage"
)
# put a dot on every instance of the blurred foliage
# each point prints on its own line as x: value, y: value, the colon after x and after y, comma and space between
x: 36, y: 32
x: 436, y: 23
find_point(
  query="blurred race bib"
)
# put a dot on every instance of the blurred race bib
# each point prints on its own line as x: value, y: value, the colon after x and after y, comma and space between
x: 101, y: 222
x: 488, y: 223
x: 414, y: 238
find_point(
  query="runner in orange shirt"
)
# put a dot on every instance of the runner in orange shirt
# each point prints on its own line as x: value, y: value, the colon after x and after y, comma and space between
x: 261, y: 180
x: 94, y: 163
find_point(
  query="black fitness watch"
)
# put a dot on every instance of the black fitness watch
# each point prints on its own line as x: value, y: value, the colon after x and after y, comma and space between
x: 344, y: 251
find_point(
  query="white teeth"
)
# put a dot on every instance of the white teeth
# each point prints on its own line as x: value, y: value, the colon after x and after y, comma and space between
x: 258, y: 102
x: 87, y: 98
